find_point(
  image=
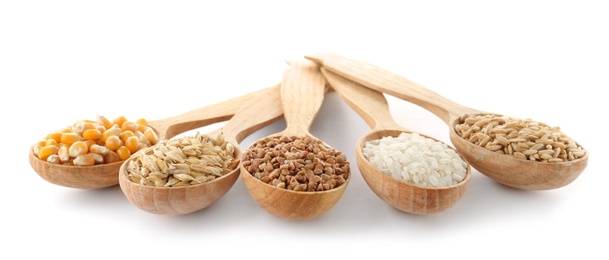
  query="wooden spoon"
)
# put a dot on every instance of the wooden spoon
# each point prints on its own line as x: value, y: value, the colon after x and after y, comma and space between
x: 372, y: 106
x: 106, y: 175
x: 257, y: 112
x: 505, y: 169
x: 302, y: 92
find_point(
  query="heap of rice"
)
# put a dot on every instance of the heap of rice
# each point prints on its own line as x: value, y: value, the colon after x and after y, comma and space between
x: 417, y: 160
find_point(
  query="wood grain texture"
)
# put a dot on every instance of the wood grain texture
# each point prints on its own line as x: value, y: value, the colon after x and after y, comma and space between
x: 257, y: 112
x: 372, y: 106
x: 505, y: 169
x: 302, y: 92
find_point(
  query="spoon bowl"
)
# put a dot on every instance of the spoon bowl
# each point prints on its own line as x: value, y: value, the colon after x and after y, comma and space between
x: 309, y: 196
x: 402, y: 195
x: 187, y: 199
x: 106, y: 175
x: 503, y: 168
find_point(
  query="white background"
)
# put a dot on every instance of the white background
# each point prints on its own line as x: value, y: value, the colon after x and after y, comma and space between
x: 66, y: 60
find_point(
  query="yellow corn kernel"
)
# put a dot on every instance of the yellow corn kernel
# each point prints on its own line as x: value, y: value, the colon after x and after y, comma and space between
x: 126, y: 134
x: 42, y: 143
x: 119, y: 120
x: 78, y: 148
x: 55, y: 136
x: 132, y: 143
x: 98, y: 158
x: 36, y: 149
x: 47, y: 151
x: 113, y: 143
x: 103, y: 121
x: 114, y: 130
x: 90, y: 142
x: 98, y: 149
x: 111, y: 157
x: 142, y: 121
x: 84, y: 160
x: 69, y: 138
x: 64, y: 130
x: 129, y: 126
x: 51, y: 142
x: 142, y: 139
x: 63, y: 154
x: 142, y: 128
x: 80, y: 126
x: 53, y: 158
x: 91, y: 134
x: 101, y: 128
x: 123, y: 153
x: 151, y: 136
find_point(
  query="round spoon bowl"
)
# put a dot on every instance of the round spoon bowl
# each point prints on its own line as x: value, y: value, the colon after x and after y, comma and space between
x: 514, y: 172
x: 404, y: 196
x: 289, y: 204
x: 175, y: 200
x: 255, y: 113
x: 82, y: 177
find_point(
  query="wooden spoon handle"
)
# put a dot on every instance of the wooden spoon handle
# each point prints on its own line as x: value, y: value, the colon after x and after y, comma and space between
x: 169, y: 127
x: 255, y: 113
x: 385, y: 81
x: 302, y: 94
x: 370, y: 104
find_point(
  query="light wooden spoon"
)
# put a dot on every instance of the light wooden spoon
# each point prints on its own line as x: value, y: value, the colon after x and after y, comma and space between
x: 372, y: 106
x: 302, y: 92
x: 106, y: 175
x: 255, y: 113
x: 505, y: 169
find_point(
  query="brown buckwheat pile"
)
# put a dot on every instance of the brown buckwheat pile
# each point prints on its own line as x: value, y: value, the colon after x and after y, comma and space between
x: 296, y: 163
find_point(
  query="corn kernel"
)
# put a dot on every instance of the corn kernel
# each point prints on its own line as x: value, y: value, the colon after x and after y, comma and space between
x: 42, y: 143
x: 103, y: 121
x: 101, y: 128
x: 81, y: 126
x: 69, y: 138
x: 51, y: 142
x: 55, y: 136
x: 47, y: 151
x: 132, y: 143
x: 36, y: 148
x: 91, y: 134
x: 78, y: 148
x: 119, y: 120
x: 111, y: 157
x: 90, y: 142
x: 142, y: 121
x: 98, y: 158
x: 84, y: 160
x: 123, y: 153
x: 151, y: 136
x: 113, y: 142
x: 126, y: 134
x: 64, y: 130
x: 63, y: 154
x: 142, y: 128
x: 114, y: 130
x: 53, y: 158
x: 129, y: 126
x: 98, y: 149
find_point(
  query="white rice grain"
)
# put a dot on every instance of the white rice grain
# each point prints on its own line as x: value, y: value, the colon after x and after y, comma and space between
x: 416, y: 159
